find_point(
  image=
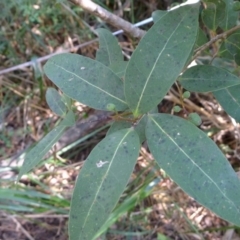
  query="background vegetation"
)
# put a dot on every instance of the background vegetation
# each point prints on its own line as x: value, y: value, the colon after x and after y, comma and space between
x: 152, y: 206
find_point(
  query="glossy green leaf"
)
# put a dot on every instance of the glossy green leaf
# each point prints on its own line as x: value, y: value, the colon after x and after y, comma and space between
x: 213, y: 14
x: 54, y: 101
x: 109, y: 51
x: 101, y: 182
x: 205, y: 78
x: 230, y: 16
x: 195, y: 163
x: 36, y: 154
x: 86, y: 80
x: 159, y: 58
x: 229, y: 99
x: 119, y: 68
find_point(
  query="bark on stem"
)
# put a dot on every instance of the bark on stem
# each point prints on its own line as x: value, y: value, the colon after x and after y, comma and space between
x: 110, y: 18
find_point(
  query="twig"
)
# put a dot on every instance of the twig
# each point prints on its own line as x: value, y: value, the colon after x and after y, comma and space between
x: 215, y: 39
x: 109, y: 17
x: 24, y: 231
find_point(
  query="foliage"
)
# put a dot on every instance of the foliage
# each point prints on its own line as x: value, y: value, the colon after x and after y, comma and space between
x: 131, y: 91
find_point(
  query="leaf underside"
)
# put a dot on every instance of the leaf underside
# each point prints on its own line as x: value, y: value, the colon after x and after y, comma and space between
x: 86, y: 80
x: 101, y: 182
x: 159, y: 58
x: 194, y: 162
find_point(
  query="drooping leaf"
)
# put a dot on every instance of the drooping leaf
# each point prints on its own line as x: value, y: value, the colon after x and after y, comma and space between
x: 230, y: 16
x: 213, y: 14
x: 86, y: 80
x: 54, y: 100
x: 195, y: 163
x: 109, y: 51
x: 159, y: 58
x: 157, y: 15
x: 205, y: 78
x: 35, y: 155
x: 101, y: 182
x: 229, y: 99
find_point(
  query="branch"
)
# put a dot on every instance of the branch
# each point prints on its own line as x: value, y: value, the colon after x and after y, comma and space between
x: 108, y: 17
x: 215, y: 39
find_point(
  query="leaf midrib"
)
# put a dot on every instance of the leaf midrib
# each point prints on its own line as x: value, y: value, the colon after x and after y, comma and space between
x: 155, y: 63
x: 194, y: 163
x: 100, y: 89
x: 104, y: 177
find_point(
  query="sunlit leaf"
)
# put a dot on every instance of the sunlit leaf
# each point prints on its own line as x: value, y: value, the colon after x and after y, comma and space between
x: 205, y: 78
x: 36, y: 154
x: 109, y: 51
x: 229, y: 99
x: 54, y: 100
x: 101, y: 182
x: 159, y: 58
x: 86, y: 80
x: 195, y: 163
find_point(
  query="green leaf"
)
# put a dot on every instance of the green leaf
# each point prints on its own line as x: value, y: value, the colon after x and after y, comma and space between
x: 177, y: 109
x: 201, y: 38
x: 139, y: 128
x: 224, y: 53
x: 86, y: 80
x: 67, y: 100
x: 101, y: 182
x: 195, y: 119
x: 213, y: 14
x: 236, y: 6
x: 194, y: 162
x: 54, y: 101
x: 119, y: 68
x: 157, y: 15
x: 159, y: 58
x: 229, y: 99
x: 35, y: 155
x: 230, y: 16
x: 69, y: 120
x: 109, y: 51
x: 232, y: 44
x: 205, y: 78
